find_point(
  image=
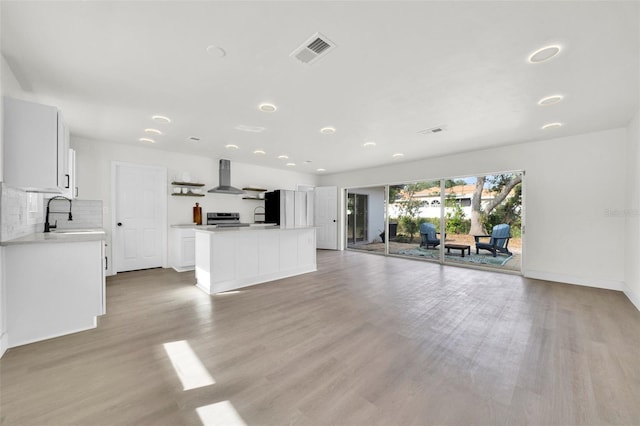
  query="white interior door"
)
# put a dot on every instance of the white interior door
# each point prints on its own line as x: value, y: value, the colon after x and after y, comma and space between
x: 326, y: 217
x: 140, y: 204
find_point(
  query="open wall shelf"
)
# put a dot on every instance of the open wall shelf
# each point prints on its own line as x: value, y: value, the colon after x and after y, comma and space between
x: 188, y: 194
x: 188, y: 186
x: 193, y: 184
x: 254, y: 190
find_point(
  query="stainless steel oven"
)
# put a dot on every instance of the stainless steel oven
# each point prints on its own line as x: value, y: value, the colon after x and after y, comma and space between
x: 224, y: 220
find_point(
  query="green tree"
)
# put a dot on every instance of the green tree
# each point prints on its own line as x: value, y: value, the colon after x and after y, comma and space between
x: 502, y: 186
x: 409, y: 206
x: 450, y: 183
x: 455, y: 218
x: 507, y: 212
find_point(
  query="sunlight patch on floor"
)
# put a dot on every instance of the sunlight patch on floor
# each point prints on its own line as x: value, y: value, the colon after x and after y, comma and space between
x: 220, y: 413
x: 187, y: 365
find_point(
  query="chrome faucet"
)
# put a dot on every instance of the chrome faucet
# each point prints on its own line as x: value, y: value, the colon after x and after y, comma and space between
x: 47, y: 226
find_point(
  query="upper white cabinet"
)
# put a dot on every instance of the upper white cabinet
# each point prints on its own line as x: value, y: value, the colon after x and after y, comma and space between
x: 36, y: 147
x: 72, y: 191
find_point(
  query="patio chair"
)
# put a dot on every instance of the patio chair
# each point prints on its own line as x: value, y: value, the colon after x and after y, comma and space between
x: 428, y: 235
x: 498, y: 240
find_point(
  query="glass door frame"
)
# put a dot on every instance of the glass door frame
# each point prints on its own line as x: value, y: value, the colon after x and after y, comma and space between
x: 354, y: 216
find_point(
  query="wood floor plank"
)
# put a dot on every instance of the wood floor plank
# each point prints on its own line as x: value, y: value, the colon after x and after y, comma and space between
x: 365, y: 340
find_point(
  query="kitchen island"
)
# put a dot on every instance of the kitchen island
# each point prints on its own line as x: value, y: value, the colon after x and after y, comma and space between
x: 232, y: 258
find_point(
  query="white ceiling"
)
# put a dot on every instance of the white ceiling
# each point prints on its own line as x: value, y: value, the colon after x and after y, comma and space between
x: 399, y: 68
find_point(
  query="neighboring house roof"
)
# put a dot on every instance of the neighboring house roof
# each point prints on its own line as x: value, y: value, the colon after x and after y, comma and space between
x: 460, y: 191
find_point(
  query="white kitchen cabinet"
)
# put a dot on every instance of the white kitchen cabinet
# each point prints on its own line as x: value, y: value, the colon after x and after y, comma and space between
x: 183, y: 249
x: 36, y: 144
x: 71, y: 192
x: 54, y: 289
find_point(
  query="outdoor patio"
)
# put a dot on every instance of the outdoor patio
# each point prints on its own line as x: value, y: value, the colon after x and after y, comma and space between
x: 485, y: 258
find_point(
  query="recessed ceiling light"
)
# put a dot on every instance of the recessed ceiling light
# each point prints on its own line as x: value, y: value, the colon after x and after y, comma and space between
x: 155, y: 131
x: 259, y: 151
x: 267, y: 107
x: 291, y: 164
x: 252, y: 129
x: 147, y: 140
x: 283, y: 157
x: 217, y: 51
x: 369, y: 144
x: 328, y: 130
x: 231, y: 146
x: 550, y: 100
x: 551, y: 126
x: 544, y: 54
x: 321, y: 170
x: 161, y: 119
x: 398, y: 155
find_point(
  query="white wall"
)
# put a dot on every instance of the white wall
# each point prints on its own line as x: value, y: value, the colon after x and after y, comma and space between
x: 4, y: 341
x: 93, y: 172
x: 571, y: 186
x: 632, y: 213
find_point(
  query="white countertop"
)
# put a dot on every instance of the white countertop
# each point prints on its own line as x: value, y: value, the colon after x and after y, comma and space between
x: 66, y: 236
x: 214, y: 227
x: 192, y: 226
x: 255, y: 227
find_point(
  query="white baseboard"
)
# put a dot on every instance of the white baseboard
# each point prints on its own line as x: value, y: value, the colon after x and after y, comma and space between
x: 203, y: 279
x: 184, y: 268
x: 570, y: 279
x: 632, y: 296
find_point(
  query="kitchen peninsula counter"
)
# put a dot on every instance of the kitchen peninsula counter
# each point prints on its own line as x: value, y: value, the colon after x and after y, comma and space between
x: 55, y: 237
x: 55, y: 282
x: 232, y: 258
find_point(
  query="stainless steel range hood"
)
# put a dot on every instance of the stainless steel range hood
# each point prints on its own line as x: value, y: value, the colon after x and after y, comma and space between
x: 224, y: 183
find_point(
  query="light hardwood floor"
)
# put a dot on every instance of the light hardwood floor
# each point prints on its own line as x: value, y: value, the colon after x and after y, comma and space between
x: 366, y: 340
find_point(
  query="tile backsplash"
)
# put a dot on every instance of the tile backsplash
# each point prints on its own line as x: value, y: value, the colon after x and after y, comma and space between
x: 87, y: 214
x: 22, y: 213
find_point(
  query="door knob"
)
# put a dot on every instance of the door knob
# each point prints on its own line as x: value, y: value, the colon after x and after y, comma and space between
x: 119, y: 223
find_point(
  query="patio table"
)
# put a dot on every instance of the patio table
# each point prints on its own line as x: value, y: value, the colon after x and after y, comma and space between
x: 461, y: 247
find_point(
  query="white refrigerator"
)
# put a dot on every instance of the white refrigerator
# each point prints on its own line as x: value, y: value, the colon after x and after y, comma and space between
x: 288, y: 208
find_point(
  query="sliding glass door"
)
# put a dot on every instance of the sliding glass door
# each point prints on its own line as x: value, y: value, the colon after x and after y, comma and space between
x: 357, y: 205
x: 414, y: 212
x: 470, y: 221
x: 365, y: 219
x: 483, y: 221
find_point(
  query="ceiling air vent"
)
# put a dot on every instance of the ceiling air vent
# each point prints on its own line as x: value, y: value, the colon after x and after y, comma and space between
x: 436, y: 129
x: 313, y: 49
